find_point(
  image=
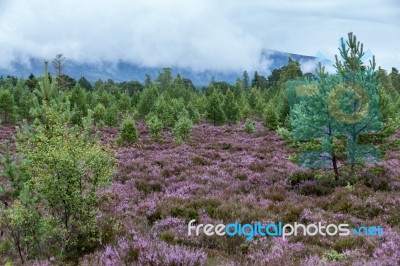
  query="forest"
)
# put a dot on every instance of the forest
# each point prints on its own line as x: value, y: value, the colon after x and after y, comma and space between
x: 110, y: 173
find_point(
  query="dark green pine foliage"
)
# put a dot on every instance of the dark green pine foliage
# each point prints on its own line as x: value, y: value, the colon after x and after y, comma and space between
x: 270, y: 117
x: 7, y: 107
x: 147, y: 99
x: 231, y: 108
x: 245, y: 80
x: 128, y: 131
x: 214, y: 111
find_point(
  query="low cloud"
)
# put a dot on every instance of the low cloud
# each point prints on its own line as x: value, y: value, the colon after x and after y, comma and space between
x: 216, y: 35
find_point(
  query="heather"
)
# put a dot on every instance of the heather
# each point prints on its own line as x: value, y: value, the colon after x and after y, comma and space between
x: 111, y: 175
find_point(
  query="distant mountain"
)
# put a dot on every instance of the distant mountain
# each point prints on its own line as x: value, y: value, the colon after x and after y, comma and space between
x: 125, y: 71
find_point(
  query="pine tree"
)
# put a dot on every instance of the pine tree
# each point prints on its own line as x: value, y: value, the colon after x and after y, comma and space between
x: 7, y: 107
x: 155, y: 126
x: 231, y: 108
x: 245, y: 80
x: 128, y: 131
x: 270, y: 117
x: 214, y: 111
x: 147, y: 99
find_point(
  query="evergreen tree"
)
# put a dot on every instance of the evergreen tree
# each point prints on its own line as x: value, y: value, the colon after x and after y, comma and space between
x: 214, y: 111
x: 270, y: 117
x: 231, y: 108
x: 182, y: 129
x: 147, y: 99
x: 84, y: 83
x: 164, y: 79
x: 128, y: 131
x: 78, y: 99
x: 7, y: 107
x: 245, y: 80
x: 111, y: 115
x: 155, y: 126
x: 98, y: 113
x: 124, y: 102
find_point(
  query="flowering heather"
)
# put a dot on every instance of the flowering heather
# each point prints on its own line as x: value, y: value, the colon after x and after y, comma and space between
x: 222, y: 175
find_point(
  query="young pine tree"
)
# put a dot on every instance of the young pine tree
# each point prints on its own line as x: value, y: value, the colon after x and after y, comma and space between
x: 270, y: 117
x: 128, y: 131
x: 214, y: 111
x: 7, y: 107
x: 231, y: 108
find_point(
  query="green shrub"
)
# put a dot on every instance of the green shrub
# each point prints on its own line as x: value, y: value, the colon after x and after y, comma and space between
x: 99, y: 113
x: 182, y: 129
x: 155, y: 126
x: 128, y: 131
x: 299, y: 177
x: 270, y: 117
x: 333, y: 256
x: 249, y: 127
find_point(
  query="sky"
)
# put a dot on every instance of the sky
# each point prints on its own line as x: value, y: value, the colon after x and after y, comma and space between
x: 221, y: 35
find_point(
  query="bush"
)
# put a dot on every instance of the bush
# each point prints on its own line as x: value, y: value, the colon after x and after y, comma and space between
x: 182, y: 129
x: 314, y: 187
x: 128, y: 131
x: 155, y: 126
x: 56, y: 208
x: 249, y: 126
x: 299, y: 177
x: 111, y: 116
x: 270, y: 117
x: 99, y: 113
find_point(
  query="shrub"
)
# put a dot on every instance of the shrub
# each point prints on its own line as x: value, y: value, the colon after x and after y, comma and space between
x: 56, y: 208
x: 314, y: 187
x: 298, y: 177
x: 249, y: 126
x: 270, y: 117
x: 99, y: 113
x: 155, y: 126
x: 333, y: 256
x: 128, y: 131
x: 111, y: 116
x: 182, y: 129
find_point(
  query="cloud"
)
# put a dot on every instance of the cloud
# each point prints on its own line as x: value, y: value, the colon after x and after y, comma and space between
x: 217, y: 35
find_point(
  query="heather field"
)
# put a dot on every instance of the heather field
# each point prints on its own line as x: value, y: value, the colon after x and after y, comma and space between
x: 288, y: 169
x: 224, y: 174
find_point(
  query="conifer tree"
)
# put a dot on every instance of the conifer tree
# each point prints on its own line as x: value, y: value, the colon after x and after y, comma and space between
x: 128, y: 131
x: 214, y: 111
x: 147, y: 99
x: 270, y: 117
x: 7, y: 107
x: 245, y: 80
x: 231, y: 108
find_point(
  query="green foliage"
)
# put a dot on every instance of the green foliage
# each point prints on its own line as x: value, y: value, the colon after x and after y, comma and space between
x: 193, y: 113
x: 111, y: 115
x: 249, y: 126
x: 334, y: 256
x: 128, y: 131
x: 99, y: 113
x: 182, y: 129
x: 124, y: 103
x: 147, y: 99
x: 214, y: 111
x: 386, y: 105
x: 84, y: 83
x: 270, y: 117
x: 7, y: 107
x: 55, y: 211
x: 78, y: 99
x: 155, y: 126
x: 231, y: 108
x: 11, y: 173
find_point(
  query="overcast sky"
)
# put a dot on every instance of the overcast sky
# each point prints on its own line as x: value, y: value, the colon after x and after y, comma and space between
x: 209, y: 34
